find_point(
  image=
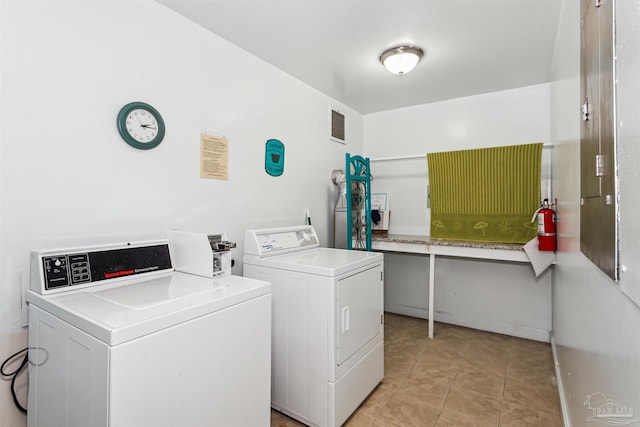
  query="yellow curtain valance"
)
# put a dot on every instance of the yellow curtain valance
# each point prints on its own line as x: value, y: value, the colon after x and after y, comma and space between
x: 486, y: 194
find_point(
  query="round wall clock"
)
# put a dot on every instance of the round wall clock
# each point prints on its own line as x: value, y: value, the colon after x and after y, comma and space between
x: 140, y: 125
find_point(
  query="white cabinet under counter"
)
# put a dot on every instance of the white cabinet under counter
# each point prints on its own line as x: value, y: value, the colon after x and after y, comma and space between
x: 485, y: 286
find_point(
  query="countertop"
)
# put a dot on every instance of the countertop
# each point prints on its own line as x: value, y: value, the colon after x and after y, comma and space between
x: 426, y: 240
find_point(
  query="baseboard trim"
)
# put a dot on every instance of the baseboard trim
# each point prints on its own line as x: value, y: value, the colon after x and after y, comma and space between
x: 563, y: 400
x: 511, y: 329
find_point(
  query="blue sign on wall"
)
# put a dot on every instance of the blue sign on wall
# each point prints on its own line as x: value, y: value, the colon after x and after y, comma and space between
x: 274, y: 157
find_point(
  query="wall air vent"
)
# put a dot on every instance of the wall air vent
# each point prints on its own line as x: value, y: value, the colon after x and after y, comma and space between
x: 336, y: 126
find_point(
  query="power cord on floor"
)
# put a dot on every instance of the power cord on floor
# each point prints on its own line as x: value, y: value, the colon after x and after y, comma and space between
x: 14, y: 374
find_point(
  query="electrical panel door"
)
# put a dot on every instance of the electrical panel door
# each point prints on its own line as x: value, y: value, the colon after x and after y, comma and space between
x: 598, y: 188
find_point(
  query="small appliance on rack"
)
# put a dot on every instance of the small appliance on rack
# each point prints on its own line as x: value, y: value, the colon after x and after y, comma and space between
x: 328, y: 340
x: 380, y: 213
x: 119, y: 338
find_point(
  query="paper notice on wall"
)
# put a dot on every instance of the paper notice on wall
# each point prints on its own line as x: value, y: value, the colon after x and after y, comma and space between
x: 214, y: 157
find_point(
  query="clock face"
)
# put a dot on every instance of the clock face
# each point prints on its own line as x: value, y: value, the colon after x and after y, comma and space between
x: 140, y: 125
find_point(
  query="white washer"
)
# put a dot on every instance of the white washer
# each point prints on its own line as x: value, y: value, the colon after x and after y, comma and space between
x: 118, y: 338
x: 327, y: 322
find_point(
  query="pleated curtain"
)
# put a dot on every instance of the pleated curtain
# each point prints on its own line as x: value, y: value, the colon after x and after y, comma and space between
x: 486, y: 194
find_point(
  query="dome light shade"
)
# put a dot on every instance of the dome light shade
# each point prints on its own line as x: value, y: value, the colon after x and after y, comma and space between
x: 401, y: 59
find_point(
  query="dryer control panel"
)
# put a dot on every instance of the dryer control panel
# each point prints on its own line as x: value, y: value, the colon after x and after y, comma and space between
x: 58, y: 270
x: 272, y: 241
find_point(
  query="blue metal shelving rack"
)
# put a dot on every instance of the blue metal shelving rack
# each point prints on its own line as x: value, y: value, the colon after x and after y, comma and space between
x: 358, y: 203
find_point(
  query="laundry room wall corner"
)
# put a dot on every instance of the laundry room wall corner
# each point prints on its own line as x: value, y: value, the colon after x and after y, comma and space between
x: 67, y: 177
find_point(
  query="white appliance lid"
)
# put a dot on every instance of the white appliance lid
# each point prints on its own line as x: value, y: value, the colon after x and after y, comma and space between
x: 320, y: 261
x: 125, y: 310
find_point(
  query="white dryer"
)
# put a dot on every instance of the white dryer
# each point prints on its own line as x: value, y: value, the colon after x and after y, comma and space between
x: 118, y: 338
x: 327, y: 322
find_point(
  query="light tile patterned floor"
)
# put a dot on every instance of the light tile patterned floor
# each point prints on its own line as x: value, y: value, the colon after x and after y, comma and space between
x: 462, y: 377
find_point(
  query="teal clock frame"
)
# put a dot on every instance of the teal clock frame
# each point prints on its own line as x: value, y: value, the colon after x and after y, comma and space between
x: 122, y: 125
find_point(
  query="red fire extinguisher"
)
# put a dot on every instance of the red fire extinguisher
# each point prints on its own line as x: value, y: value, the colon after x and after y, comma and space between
x: 546, y: 227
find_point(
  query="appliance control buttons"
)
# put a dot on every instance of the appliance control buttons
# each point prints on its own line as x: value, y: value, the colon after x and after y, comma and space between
x: 79, y: 268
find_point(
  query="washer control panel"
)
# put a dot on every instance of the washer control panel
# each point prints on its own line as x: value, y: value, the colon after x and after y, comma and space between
x: 58, y: 270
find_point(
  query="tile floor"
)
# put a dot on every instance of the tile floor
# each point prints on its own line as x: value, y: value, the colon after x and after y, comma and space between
x: 462, y: 377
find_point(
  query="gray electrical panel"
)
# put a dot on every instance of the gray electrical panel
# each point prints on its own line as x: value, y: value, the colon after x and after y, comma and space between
x: 598, y: 175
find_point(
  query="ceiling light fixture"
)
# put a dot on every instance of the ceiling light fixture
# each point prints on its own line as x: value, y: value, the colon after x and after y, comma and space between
x: 401, y: 59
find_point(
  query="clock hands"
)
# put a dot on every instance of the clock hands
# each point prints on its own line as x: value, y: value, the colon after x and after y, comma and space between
x: 145, y: 126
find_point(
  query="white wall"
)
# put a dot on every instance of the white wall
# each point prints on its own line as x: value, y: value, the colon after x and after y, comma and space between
x: 496, y: 296
x: 595, y: 325
x: 510, y: 117
x: 68, y: 178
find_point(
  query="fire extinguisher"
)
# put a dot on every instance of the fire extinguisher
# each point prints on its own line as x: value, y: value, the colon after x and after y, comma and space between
x: 546, y: 227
